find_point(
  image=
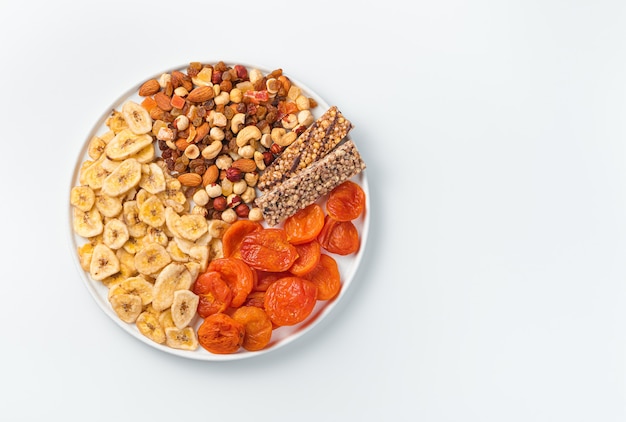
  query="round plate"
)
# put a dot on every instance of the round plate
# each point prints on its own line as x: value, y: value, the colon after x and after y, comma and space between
x: 281, y: 336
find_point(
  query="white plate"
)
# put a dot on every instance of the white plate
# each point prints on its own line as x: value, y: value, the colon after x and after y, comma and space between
x: 282, y: 336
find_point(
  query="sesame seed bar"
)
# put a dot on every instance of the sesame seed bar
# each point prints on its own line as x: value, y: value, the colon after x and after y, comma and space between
x: 310, y: 184
x: 313, y: 144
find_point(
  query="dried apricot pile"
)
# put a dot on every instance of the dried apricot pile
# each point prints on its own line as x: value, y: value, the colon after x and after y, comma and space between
x: 271, y: 277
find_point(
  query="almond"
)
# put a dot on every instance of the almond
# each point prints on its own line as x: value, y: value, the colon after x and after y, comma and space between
x: 201, y: 94
x: 190, y: 179
x: 163, y: 101
x: 201, y: 132
x: 181, y: 79
x: 182, y: 144
x: 246, y: 165
x: 149, y: 87
x: 157, y: 114
x: 210, y: 175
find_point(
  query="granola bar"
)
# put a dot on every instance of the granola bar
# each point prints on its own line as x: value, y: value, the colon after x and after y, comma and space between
x: 310, y: 184
x: 313, y: 144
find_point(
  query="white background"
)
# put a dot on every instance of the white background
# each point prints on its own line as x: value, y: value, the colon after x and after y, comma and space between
x: 493, y: 284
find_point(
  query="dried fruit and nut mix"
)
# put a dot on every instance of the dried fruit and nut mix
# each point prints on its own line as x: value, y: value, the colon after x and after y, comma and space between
x: 179, y: 168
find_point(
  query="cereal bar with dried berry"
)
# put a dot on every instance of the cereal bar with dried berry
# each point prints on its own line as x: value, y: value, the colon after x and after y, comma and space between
x: 310, y: 184
x: 313, y: 144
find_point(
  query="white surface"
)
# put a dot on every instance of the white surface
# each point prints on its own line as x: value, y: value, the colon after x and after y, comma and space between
x: 493, y: 281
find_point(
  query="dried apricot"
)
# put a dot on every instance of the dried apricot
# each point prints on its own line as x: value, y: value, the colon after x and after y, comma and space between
x: 258, y: 327
x: 237, y: 274
x: 232, y: 237
x: 346, y: 202
x: 304, y: 225
x: 268, y: 250
x: 265, y: 278
x: 148, y: 103
x: 287, y: 107
x: 221, y: 334
x: 339, y: 237
x: 290, y: 300
x: 326, y: 277
x: 308, y: 257
x: 255, y: 299
x: 214, y: 294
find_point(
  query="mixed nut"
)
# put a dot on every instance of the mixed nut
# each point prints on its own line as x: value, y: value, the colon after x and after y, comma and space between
x: 218, y: 126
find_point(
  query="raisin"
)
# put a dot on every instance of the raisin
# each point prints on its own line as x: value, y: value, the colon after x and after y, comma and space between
x: 229, y: 113
x: 180, y: 167
x: 270, y: 116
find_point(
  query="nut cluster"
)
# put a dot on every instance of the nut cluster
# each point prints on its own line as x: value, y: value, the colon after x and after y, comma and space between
x: 218, y: 126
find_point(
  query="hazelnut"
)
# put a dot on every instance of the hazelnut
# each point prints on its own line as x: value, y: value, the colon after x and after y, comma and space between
x: 233, y: 174
x: 229, y: 216
x: 255, y: 214
x: 197, y: 209
x: 181, y: 122
x: 219, y: 203
x: 201, y: 197
x: 214, y: 190
x: 240, y: 187
x: 233, y: 200
x: 242, y: 210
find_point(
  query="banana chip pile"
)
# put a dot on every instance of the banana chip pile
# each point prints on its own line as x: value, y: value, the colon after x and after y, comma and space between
x: 142, y: 241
